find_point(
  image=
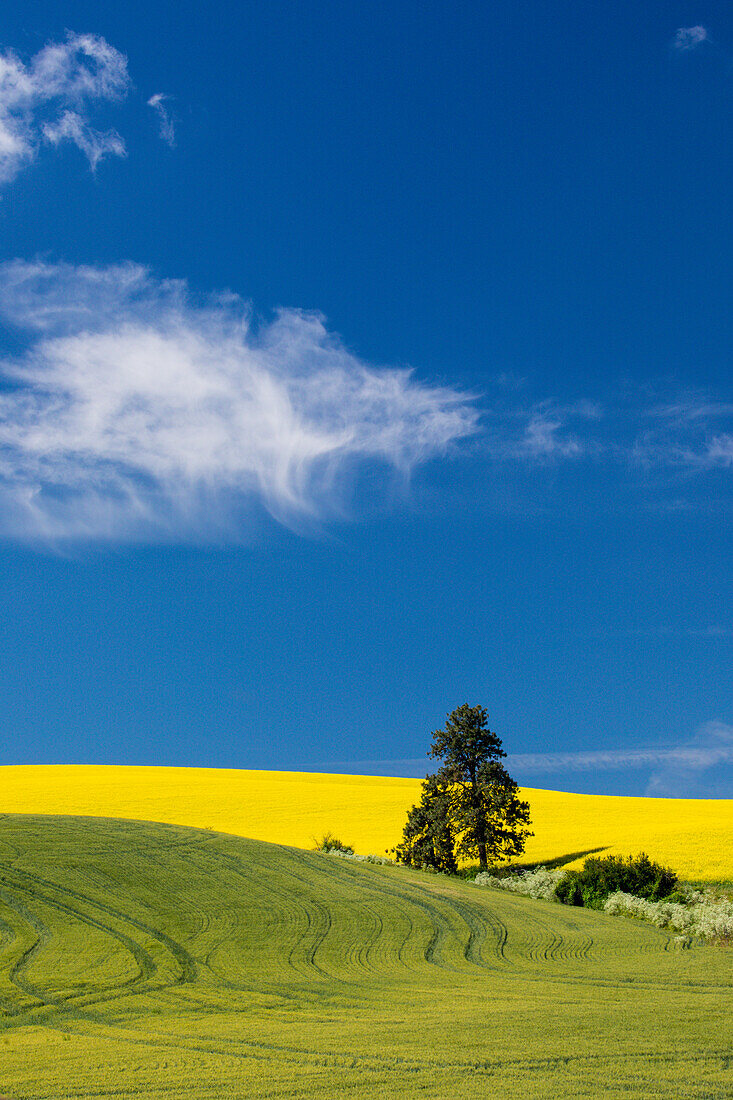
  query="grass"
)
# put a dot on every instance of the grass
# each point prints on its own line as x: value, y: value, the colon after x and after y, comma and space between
x: 142, y: 960
x: 694, y: 836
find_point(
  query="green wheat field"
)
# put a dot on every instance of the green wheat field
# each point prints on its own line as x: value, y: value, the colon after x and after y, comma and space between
x: 141, y: 960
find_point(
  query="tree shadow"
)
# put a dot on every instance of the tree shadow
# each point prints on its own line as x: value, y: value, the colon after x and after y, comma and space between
x: 558, y: 861
x: 502, y: 870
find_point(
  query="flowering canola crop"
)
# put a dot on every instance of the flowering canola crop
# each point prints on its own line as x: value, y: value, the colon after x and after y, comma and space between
x: 694, y: 836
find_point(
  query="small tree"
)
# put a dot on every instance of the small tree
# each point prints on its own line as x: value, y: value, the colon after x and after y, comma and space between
x: 471, y: 801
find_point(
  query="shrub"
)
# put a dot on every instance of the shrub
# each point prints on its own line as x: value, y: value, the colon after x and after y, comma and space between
x: 540, y: 883
x: 568, y: 889
x: 331, y: 843
x: 348, y: 853
x: 702, y: 915
x: 682, y: 909
x: 602, y: 876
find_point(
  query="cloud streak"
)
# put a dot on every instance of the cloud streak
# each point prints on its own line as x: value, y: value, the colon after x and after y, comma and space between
x: 165, y: 122
x: 51, y: 98
x: 547, y: 432
x: 135, y: 411
x: 690, y: 38
x: 691, y: 755
x: 697, y: 768
x: 689, y: 436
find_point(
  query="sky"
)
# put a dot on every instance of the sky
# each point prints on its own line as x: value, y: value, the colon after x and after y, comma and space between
x: 358, y: 361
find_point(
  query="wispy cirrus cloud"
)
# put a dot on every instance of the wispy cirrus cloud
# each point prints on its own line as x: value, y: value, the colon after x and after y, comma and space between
x: 136, y: 412
x: 689, y: 433
x: 720, y: 450
x: 552, y: 431
x: 699, y: 767
x: 543, y: 437
x: 166, y: 128
x: 52, y: 97
x: 712, y: 745
x: 690, y: 38
x: 93, y: 144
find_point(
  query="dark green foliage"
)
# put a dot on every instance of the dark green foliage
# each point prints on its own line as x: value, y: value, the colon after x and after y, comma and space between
x: 679, y: 897
x: 427, y: 840
x: 331, y: 843
x: 569, y: 890
x: 602, y: 876
x: 471, y: 806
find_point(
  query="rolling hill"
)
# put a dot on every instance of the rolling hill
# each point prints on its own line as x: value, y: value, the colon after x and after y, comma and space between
x: 142, y: 960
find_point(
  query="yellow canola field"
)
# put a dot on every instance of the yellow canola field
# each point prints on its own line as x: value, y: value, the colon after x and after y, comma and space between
x: 695, y: 836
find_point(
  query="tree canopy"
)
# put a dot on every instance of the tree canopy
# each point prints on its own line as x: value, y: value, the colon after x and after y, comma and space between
x: 470, y: 807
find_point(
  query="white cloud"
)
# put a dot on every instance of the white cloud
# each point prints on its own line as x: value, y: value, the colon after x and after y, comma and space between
x: 673, y: 444
x: 93, y: 143
x: 542, y: 438
x: 690, y: 410
x: 547, y: 431
x: 687, y: 434
x: 720, y: 450
x: 689, y: 38
x: 136, y: 412
x: 52, y: 96
x: 165, y: 122
x: 701, y: 767
x: 698, y: 753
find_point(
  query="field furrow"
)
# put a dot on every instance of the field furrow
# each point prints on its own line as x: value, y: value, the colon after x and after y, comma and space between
x: 154, y: 961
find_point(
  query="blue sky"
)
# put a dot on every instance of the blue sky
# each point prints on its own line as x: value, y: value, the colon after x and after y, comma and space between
x: 358, y: 361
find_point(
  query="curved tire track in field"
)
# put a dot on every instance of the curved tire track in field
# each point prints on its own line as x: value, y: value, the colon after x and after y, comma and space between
x: 37, y: 934
x: 310, y: 922
x: 445, y: 932
x: 23, y: 889
x: 331, y: 921
x: 254, y: 955
x: 442, y: 930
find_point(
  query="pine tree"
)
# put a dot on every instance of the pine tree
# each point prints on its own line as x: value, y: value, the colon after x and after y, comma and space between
x: 471, y: 806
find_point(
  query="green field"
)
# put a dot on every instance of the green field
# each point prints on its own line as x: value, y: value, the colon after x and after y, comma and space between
x: 157, y: 961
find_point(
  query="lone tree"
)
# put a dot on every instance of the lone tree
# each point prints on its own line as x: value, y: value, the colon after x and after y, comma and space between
x: 471, y: 806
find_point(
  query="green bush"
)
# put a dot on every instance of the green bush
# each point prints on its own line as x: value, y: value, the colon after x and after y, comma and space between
x: 568, y: 889
x: 678, y: 897
x: 331, y: 843
x: 601, y: 876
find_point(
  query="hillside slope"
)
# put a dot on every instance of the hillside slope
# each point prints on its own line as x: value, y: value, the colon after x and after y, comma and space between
x: 694, y: 836
x: 154, y: 961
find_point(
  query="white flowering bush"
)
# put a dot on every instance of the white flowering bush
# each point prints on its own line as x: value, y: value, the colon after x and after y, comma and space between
x: 539, y: 883
x: 346, y: 853
x: 693, y: 912
x: 703, y: 915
